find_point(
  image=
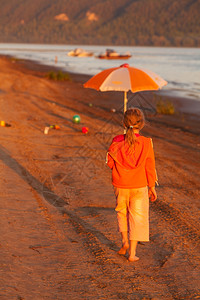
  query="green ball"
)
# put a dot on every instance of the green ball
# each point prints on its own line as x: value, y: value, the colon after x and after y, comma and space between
x: 76, y: 119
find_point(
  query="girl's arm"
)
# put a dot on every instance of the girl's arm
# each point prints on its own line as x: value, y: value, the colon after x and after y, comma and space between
x: 109, y: 160
x: 150, y: 167
x: 152, y: 194
x: 151, y: 175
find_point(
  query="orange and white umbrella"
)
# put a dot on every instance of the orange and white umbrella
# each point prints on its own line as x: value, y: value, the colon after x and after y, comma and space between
x: 125, y: 78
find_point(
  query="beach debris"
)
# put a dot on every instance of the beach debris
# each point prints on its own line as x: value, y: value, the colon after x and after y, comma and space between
x: 46, y: 130
x: 76, y: 119
x: 54, y: 126
x: 4, y: 124
x: 113, y: 110
x: 85, y: 130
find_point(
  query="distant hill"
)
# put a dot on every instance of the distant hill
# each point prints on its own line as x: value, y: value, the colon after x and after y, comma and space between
x: 101, y: 22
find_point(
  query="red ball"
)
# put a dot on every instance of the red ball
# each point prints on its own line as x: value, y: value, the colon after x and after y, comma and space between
x: 85, y: 129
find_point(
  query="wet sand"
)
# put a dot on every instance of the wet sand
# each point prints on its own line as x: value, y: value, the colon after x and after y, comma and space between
x: 58, y: 227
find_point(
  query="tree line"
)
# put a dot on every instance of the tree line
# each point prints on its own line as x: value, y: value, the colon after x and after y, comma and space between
x: 127, y: 22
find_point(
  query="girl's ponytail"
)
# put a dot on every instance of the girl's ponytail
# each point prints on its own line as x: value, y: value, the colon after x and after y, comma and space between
x: 130, y: 136
x: 133, y: 120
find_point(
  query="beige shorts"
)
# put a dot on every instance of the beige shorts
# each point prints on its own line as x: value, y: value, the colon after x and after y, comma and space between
x: 132, y: 207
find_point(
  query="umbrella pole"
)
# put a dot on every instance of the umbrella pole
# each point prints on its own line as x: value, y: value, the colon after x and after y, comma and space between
x: 125, y: 101
x: 125, y: 106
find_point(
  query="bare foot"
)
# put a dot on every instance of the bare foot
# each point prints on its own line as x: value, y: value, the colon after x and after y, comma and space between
x: 132, y: 259
x: 123, y: 249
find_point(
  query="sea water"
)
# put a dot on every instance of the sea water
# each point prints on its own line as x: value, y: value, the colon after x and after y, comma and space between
x: 179, y: 66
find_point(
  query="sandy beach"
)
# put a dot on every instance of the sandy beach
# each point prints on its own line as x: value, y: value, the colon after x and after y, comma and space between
x: 58, y: 225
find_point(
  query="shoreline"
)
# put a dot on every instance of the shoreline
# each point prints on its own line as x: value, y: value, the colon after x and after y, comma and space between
x: 183, y: 103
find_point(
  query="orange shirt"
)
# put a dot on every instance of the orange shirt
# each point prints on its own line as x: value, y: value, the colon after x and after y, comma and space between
x: 132, y: 168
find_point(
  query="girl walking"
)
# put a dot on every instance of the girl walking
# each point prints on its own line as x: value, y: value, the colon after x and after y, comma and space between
x: 131, y: 158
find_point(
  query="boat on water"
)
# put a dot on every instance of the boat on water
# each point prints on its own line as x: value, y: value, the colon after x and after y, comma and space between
x: 79, y: 52
x: 112, y: 54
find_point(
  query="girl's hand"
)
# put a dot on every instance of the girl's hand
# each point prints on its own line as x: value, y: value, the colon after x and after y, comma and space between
x: 152, y: 194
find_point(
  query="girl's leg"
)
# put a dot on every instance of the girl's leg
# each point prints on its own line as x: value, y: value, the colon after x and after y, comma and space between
x: 132, y: 251
x: 139, y: 215
x: 138, y: 219
x: 122, y: 198
x: 125, y: 243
